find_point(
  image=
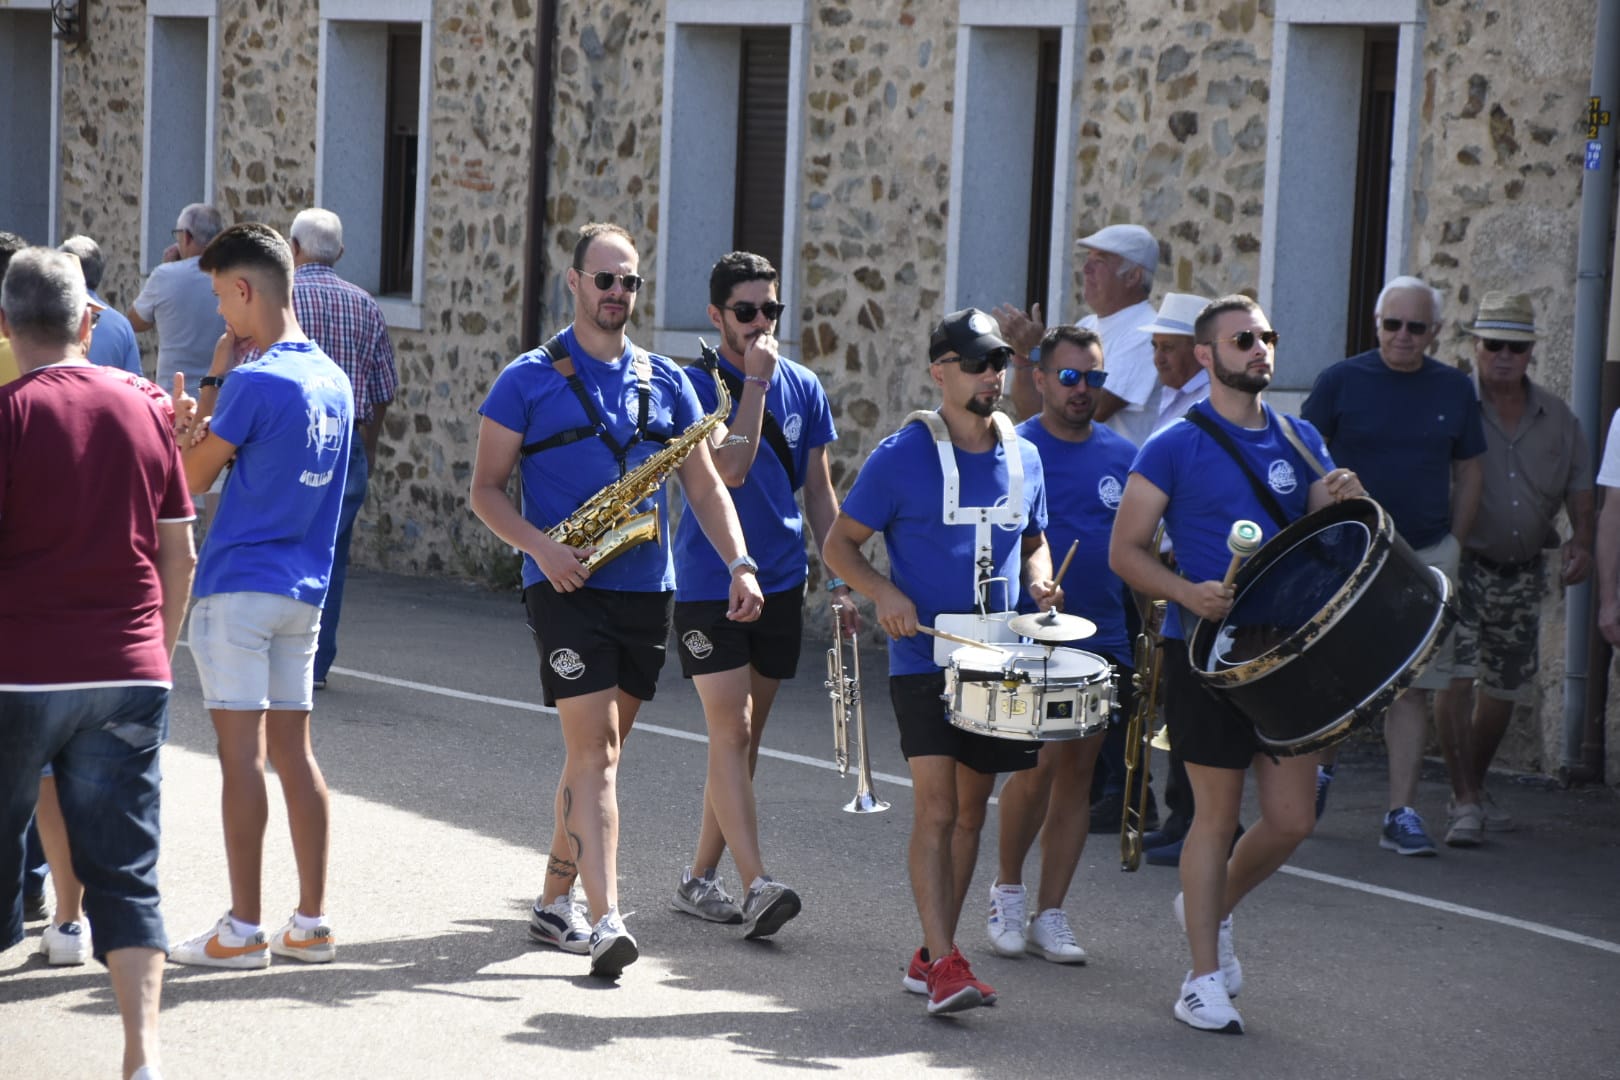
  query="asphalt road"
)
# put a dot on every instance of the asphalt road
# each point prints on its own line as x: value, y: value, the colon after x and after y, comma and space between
x: 1498, y: 962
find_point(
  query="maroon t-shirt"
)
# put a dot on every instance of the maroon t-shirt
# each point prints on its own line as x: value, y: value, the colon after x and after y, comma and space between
x: 88, y: 468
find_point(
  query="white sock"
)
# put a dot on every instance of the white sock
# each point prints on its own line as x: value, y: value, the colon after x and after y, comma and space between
x: 307, y: 922
x: 243, y: 929
x: 1010, y: 890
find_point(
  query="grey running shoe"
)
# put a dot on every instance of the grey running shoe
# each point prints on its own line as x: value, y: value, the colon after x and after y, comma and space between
x: 705, y: 898
x: 766, y: 908
x: 612, y: 947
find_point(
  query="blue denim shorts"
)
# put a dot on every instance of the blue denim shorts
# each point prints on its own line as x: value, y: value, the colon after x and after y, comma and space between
x: 102, y: 744
x: 255, y: 651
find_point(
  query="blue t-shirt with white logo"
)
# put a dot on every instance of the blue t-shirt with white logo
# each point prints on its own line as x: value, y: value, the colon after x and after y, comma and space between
x: 1400, y: 431
x: 1208, y: 491
x: 290, y: 415
x: 772, y: 523
x: 900, y: 493
x: 532, y: 398
x: 1085, y: 481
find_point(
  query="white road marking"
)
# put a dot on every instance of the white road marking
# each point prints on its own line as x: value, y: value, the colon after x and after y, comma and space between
x: 903, y: 781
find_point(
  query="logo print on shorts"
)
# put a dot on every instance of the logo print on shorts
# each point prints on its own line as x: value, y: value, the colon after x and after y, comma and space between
x: 1281, y: 477
x: 696, y: 644
x: 793, y: 429
x: 1110, y: 491
x: 566, y: 662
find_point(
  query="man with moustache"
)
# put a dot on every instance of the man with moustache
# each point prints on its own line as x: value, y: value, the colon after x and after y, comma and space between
x: 1409, y: 426
x: 574, y: 416
x: 961, y: 501
x: 1535, y: 462
x: 774, y: 443
x: 1088, y: 463
x: 1186, y: 478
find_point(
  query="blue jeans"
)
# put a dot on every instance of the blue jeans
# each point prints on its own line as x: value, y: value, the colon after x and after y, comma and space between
x: 354, y: 497
x: 103, y: 745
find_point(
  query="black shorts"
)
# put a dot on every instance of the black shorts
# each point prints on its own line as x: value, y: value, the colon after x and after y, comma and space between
x: 1204, y: 729
x: 710, y: 642
x: 598, y: 639
x: 926, y: 730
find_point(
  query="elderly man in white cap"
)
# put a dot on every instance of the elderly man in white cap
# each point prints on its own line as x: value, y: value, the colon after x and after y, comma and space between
x: 1183, y: 381
x: 1535, y: 461
x: 1116, y: 280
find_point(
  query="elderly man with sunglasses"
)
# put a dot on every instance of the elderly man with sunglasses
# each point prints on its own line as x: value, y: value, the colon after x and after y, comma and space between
x: 1409, y: 426
x: 573, y: 416
x: 1535, y: 463
x: 960, y: 499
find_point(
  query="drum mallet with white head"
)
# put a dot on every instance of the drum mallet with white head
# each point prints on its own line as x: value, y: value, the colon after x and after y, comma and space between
x: 1244, y: 540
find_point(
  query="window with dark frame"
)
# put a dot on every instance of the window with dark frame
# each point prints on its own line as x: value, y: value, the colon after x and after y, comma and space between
x: 1373, y: 164
x: 1038, y: 275
x: 762, y: 110
x: 399, y: 162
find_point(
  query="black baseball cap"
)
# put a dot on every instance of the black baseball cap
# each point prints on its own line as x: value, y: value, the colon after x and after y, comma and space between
x: 969, y: 333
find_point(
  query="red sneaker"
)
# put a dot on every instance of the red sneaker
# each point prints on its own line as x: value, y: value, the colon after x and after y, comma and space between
x: 952, y: 987
x: 916, y: 979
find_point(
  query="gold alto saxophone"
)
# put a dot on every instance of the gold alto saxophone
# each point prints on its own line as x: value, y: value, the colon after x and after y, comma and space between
x: 609, y: 520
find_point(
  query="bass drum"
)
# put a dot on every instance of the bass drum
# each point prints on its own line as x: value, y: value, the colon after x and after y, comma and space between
x: 1333, y: 617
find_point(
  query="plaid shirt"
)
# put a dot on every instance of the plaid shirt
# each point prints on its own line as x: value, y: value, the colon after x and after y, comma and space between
x: 346, y: 323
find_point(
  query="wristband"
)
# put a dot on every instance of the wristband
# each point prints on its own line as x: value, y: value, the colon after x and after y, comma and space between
x: 210, y: 380
x: 763, y: 384
x: 835, y: 583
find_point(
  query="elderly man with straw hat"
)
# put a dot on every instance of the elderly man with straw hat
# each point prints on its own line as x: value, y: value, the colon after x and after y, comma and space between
x: 1535, y: 462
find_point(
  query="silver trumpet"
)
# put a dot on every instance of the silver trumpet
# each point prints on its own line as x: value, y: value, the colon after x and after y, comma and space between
x: 844, y: 688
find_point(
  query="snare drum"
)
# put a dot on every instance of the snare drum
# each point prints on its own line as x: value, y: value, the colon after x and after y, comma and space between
x: 1029, y: 692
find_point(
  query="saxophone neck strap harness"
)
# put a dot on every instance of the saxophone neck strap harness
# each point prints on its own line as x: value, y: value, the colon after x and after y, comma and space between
x: 640, y: 363
x: 982, y: 518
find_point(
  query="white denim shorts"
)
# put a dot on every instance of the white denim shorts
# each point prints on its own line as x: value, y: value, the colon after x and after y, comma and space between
x: 255, y: 651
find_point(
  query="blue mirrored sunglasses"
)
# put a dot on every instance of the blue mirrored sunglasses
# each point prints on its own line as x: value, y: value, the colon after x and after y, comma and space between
x: 1071, y: 377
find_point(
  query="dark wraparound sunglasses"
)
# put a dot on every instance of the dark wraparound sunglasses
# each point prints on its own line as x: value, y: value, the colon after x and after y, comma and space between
x: 997, y: 359
x: 1073, y: 376
x: 1393, y: 326
x: 1517, y: 348
x: 747, y: 311
x: 1245, y: 339
x: 604, y: 279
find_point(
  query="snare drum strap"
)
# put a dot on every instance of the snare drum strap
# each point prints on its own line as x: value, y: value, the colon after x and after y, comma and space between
x: 1286, y: 426
x: 982, y: 518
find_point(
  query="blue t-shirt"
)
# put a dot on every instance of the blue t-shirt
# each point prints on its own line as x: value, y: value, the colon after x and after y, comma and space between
x: 771, y: 520
x: 1086, y: 480
x: 900, y: 492
x: 1208, y: 492
x: 290, y: 415
x: 533, y: 399
x: 1400, y: 431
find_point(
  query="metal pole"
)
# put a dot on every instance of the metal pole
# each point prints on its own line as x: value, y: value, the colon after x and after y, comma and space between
x: 1591, y: 294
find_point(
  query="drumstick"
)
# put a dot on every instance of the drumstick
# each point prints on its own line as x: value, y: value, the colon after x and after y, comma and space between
x: 1050, y: 615
x: 959, y: 639
x: 1242, y: 541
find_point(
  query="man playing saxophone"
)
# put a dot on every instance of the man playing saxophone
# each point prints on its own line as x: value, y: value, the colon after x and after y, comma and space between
x: 575, y: 416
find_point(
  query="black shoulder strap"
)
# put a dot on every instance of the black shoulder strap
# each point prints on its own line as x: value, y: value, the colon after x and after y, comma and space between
x: 769, y: 429
x: 1261, y: 492
x: 557, y: 353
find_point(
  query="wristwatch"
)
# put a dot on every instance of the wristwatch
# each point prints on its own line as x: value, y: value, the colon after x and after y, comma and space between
x: 743, y: 562
x: 210, y: 380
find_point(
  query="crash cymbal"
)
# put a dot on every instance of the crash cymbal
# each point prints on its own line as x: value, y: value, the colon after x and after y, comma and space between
x: 1051, y: 626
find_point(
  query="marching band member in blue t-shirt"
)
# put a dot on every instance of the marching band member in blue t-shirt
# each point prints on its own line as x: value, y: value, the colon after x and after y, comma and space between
x: 573, y: 416
x: 959, y: 507
x: 773, y: 443
x: 1184, y: 477
x: 1088, y: 464
x: 286, y: 419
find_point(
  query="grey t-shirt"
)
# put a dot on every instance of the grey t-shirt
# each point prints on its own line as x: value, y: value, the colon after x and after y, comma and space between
x: 179, y: 299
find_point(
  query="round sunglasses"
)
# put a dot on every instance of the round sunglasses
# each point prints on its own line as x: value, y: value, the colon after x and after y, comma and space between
x: 747, y: 311
x: 1245, y: 339
x: 604, y: 279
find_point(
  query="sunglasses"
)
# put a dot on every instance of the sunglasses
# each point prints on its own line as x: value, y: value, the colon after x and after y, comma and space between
x: 747, y: 311
x: 1073, y: 377
x: 1245, y: 339
x: 996, y: 359
x: 1393, y: 326
x: 1517, y: 348
x: 604, y: 279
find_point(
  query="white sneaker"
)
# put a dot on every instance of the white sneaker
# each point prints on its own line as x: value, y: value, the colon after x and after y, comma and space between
x: 1231, y: 969
x: 1203, y: 1004
x: 223, y: 947
x: 146, y: 1072
x: 66, y: 945
x: 1051, y: 936
x: 612, y: 947
x: 1007, y: 918
x: 316, y: 946
x: 560, y: 923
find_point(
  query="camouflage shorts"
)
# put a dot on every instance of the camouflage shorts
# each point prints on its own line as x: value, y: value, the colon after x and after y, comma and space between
x: 1497, y: 638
